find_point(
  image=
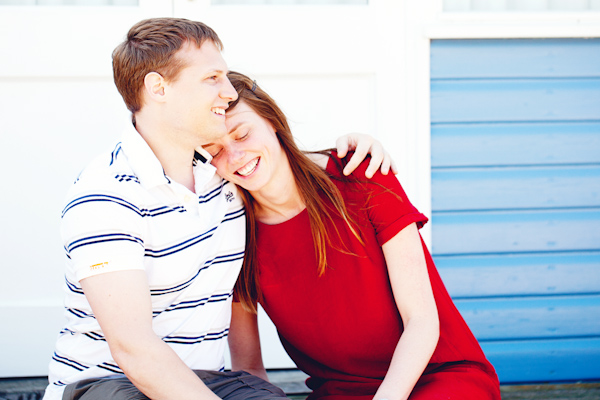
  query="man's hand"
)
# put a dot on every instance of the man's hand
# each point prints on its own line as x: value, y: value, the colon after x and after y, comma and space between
x: 362, y: 145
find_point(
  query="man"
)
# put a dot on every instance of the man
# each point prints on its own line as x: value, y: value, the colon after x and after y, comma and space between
x: 154, y: 239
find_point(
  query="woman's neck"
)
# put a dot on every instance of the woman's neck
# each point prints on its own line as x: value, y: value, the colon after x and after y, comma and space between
x: 278, y: 203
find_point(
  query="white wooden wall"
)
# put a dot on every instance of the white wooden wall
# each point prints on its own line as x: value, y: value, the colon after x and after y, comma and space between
x: 333, y: 68
x: 60, y: 108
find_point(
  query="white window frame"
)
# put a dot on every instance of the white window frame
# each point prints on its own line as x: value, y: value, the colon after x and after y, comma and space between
x: 428, y: 22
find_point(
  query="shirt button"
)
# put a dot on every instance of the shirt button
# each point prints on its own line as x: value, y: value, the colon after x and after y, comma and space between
x: 187, y: 198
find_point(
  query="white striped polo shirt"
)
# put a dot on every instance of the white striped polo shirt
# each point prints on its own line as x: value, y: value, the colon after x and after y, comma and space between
x: 124, y: 213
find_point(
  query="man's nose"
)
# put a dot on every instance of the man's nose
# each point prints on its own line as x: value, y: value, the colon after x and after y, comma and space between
x: 228, y: 92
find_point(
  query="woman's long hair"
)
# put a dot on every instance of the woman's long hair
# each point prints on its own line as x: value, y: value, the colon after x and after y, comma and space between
x: 312, y: 183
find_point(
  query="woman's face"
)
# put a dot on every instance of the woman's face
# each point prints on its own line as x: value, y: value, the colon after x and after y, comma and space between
x: 250, y: 154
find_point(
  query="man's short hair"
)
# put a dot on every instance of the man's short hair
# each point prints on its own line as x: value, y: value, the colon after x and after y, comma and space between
x: 150, y: 46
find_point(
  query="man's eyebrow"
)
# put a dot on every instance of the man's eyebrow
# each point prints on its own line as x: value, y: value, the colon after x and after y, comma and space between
x: 217, y: 71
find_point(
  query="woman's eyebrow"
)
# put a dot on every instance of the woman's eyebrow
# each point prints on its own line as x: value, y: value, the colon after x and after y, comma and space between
x: 237, y: 126
x: 232, y: 130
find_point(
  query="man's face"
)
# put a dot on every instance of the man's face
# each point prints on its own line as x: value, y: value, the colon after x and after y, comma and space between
x: 198, y: 97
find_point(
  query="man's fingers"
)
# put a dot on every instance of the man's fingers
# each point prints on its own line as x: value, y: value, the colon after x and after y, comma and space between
x: 394, y: 168
x: 360, y: 152
x: 386, y: 164
x: 342, y: 145
x: 377, y: 158
x: 354, y: 162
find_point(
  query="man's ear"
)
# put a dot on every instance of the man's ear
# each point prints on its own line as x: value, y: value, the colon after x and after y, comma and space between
x: 154, y: 86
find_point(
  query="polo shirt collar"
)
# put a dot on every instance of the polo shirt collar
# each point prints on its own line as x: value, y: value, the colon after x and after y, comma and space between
x: 148, y: 169
x: 142, y: 159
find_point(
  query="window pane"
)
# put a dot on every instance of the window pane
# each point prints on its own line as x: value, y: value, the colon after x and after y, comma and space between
x: 289, y: 2
x: 69, y: 2
x: 520, y: 5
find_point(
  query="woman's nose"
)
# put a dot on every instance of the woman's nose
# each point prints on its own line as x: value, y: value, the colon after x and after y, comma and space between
x: 234, y: 153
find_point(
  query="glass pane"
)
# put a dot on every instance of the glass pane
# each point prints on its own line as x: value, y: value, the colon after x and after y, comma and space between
x: 520, y: 5
x: 69, y: 2
x: 288, y: 2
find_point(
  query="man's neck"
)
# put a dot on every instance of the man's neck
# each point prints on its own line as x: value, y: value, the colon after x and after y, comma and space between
x: 175, y: 158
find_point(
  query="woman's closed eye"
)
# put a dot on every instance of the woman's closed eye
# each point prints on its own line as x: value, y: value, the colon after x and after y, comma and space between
x: 214, y: 151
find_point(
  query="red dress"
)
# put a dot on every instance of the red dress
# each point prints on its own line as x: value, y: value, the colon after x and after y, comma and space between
x: 342, y: 328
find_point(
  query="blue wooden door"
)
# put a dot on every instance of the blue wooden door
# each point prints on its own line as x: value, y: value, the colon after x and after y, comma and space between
x: 515, y: 142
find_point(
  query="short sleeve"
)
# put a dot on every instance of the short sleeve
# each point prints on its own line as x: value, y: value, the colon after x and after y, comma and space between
x: 387, y: 205
x: 102, y: 229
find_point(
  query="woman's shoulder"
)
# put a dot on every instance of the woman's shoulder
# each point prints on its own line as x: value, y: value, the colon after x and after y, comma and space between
x: 321, y: 158
x: 329, y: 161
x: 335, y: 168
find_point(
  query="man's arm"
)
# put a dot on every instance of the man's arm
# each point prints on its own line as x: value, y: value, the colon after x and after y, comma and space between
x: 122, y: 306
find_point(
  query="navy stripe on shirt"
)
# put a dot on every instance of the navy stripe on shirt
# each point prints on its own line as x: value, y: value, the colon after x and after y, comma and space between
x: 127, y: 178
x: 95, y: 336
x: 205, y: 198
x: 234, y: 215
x: 216, y: 298
x: 207, y: 264
x: 79, y: 313
x: 109, y: 237
x: 115, y: 153
x: 69, y: 362
x: 180, y: 246
x: 110, y: 367
x: 143, y: 212
x: 72, y: 287
x: 196, y: 339
x: 156, y: 253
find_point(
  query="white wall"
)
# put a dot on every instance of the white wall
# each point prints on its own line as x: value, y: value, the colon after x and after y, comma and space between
x: 60, y: 108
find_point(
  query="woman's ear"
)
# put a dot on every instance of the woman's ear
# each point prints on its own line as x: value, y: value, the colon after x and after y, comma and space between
x: 154, y: 86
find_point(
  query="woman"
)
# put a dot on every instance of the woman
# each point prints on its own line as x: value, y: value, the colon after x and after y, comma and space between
x: 338, y: 265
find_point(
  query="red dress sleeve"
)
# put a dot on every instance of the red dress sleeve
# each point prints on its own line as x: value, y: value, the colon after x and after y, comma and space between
x: 387, y: 205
